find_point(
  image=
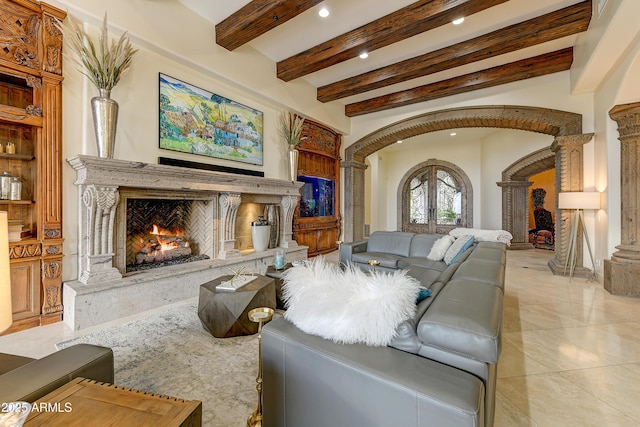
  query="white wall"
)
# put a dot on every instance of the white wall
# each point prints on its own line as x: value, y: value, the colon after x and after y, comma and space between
x: 175, y: 41
x: 482, y: 160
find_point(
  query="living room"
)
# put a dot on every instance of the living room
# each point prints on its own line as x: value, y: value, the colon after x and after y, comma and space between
x: 601, y: 77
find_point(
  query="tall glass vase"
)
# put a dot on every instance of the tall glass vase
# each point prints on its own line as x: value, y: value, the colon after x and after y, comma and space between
x: 105, y: 121
x: 293, y: 163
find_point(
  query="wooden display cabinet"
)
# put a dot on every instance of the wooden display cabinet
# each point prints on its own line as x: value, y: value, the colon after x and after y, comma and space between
x: 31, y: 120
x: 317, y: 221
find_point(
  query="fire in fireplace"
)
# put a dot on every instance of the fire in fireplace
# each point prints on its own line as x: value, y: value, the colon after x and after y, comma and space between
x: 163, y: 245
x: 158, y: 233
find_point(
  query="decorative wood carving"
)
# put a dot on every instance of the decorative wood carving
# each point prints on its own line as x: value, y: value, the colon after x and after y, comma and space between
x: 20, y: 35
x: 256, y: 18
x: 53, y: 46
x: 409, y: 21
x: 25, y: 251
x: 565, y: 22
x: 540, y: 65
x: 319, y: 157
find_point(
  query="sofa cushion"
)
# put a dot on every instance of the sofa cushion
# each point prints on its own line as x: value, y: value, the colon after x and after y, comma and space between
x: 465, y: 318
x: 458, y: 247
x: 421, y: 262
x: 9, y: 362
x: 425, y: 276
x: 481, y: 270
x: 386, y: 260
x: 348, y: 306
x: 390, y: 242
x: 421, y: 244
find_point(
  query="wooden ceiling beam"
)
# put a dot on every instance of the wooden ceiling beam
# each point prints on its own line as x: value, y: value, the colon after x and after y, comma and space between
x: 524, y: 69
x: 555, y: 25
x: 418, y: 17
x: 256, y: 18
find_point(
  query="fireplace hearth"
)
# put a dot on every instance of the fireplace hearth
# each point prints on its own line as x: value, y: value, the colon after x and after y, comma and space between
x: 126, y: 267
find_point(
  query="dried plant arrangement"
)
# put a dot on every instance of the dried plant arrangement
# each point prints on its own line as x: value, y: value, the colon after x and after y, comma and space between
x: 102, y: 62
x: 291, y: 128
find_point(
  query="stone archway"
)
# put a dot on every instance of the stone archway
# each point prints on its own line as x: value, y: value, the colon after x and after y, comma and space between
x: 565, y: 127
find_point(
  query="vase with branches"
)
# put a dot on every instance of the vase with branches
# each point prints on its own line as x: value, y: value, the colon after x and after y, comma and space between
x: 291, y: 131
x: 104, y: 62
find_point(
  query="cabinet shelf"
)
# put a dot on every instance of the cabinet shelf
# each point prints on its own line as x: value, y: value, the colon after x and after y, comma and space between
x: 16, y: 202
x: 16, y: 156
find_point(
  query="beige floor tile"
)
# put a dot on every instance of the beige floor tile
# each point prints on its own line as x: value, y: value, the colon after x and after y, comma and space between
x: 514, y: 363
x: 551, y: 349
x: 617, y: 386
x: 550, y: 400
x: 508, y: 415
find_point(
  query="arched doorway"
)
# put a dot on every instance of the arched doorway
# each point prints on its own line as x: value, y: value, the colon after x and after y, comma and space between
x: 565, y: 127
x: 431, y: 187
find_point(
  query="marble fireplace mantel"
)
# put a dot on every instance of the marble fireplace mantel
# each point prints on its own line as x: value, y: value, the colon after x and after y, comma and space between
x: 104, y: 185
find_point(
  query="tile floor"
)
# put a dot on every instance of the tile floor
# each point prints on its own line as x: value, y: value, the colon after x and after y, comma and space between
x: 571, y: 351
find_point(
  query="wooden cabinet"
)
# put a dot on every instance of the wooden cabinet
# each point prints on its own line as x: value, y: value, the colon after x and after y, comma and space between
x: 317, y: 221
x: 30, y: 122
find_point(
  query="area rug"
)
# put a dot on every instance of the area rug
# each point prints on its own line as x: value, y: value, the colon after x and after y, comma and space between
x: 170, y: 353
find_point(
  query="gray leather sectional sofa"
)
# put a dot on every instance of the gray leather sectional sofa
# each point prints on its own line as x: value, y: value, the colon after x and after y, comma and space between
x: 440, y: 370
x: 26, y: 379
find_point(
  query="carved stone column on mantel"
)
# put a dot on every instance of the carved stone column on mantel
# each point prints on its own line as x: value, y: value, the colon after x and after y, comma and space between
x: 514, y: 201
x: 569, y: 177
x: 288, y: 206
x: 622, y: 272
x: 99, y: 220
x: 229, y: 203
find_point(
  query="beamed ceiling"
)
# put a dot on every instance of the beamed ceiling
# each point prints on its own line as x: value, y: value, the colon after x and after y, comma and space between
x: 415, y: 53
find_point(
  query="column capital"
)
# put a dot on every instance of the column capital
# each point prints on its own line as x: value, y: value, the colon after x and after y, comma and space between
x: 353, y: 164
x: 628, y: 118
x: 504, y: 184
x: 567, y: 141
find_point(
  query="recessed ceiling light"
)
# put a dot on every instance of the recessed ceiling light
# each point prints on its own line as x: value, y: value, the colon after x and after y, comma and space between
x: 364, y: 55
x: 399, y: 141
x: 453, y: 134
x: 324, y: 12
x: 458, y: 21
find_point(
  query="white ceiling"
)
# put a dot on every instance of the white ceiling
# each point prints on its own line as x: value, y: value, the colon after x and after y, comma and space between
x: 308, y: 29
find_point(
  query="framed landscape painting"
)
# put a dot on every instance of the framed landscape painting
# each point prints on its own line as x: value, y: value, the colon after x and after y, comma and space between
x: 196, y: 121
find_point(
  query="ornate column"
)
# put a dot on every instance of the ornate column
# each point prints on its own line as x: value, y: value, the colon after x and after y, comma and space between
x: 622, y: 272
x: 515, y: 203
x: 354, y: 205
x: 229, y: 203
x: 288, y: 206
x: 97, y: 221
x: 569, y: 177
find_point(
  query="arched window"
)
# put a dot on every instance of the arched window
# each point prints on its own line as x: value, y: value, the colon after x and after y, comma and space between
x: 435, y: 197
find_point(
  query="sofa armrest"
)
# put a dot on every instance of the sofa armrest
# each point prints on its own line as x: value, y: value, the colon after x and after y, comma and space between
x: 34, y: 380
x: 348, y: 249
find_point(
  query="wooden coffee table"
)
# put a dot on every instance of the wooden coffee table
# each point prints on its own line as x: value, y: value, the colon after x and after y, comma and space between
x: 83, y: 403
x: 225, y: 313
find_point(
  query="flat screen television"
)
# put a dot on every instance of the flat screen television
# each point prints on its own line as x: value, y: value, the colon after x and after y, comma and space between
x: 317, y: 197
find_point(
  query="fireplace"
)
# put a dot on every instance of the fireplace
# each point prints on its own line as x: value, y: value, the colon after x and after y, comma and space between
x: 121, y: 269
x: 162, y: 232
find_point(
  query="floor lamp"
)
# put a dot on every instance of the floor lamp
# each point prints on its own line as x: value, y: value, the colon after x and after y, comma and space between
x: 579, y: 201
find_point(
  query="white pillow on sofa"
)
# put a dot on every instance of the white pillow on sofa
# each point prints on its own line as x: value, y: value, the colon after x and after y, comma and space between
x: 458, y: 247
x: 439, y: 248
x: 348, y: 306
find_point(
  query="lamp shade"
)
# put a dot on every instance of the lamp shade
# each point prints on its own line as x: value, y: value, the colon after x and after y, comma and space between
x: 5, y: 275
x: 579, y: 200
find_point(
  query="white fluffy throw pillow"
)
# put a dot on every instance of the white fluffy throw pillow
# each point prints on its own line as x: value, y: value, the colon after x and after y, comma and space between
x: 440, y: 247
x: 348, y: 306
